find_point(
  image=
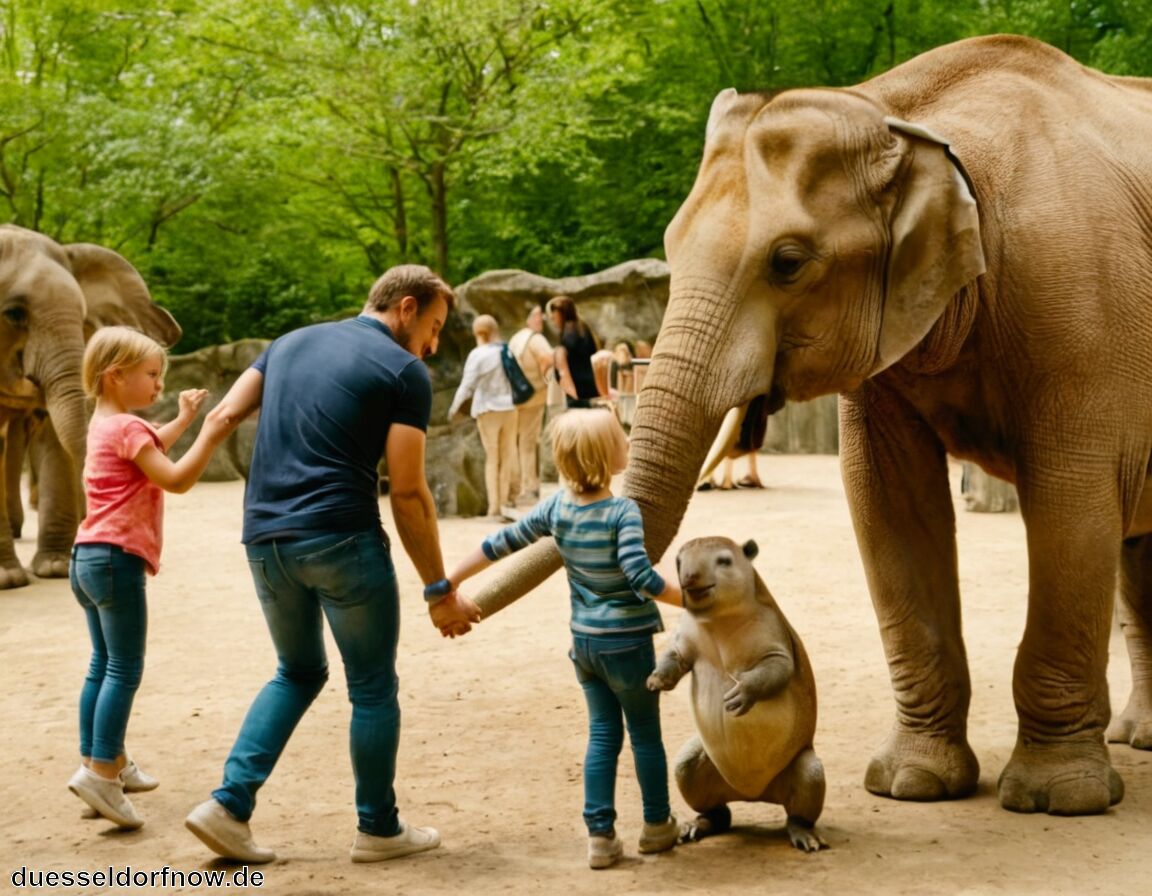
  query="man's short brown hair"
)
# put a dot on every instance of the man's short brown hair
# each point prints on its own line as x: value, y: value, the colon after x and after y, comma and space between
x: 416, y: 280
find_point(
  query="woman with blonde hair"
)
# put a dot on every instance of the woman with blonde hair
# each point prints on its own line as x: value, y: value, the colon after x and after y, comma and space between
x: 485, y: 382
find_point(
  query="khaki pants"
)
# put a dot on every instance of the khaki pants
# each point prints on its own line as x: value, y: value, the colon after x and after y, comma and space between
x: 498, y: 436
x: 529, y: 422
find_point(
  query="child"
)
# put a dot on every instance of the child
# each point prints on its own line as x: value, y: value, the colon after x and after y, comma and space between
x: 125, y: 471
x: 612, y: 584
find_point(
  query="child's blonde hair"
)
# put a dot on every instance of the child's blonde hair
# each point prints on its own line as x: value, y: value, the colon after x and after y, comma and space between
x: 586, y: 444
x: 116, y: 348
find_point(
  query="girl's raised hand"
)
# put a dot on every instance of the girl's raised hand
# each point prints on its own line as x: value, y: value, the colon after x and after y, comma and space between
x: 191, y: 400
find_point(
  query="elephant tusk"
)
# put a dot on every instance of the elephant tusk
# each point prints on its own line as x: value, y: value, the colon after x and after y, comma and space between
x: 725, y: 440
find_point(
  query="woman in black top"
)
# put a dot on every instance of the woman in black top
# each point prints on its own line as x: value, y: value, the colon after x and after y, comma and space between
x: 574, y: 353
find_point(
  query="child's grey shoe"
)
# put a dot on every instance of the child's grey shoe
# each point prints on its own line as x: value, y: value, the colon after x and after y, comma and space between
x: 135, y: 780
x: 106, y: 796
x: 371, y: 848
x: 604, y: 850
x: 660, y: 837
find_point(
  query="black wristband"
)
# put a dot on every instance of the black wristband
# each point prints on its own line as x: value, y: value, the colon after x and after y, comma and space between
x: 437, y: 590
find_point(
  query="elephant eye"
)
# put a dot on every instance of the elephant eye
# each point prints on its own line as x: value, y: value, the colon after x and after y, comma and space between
x: 786, y: 263
x: 16, y: 314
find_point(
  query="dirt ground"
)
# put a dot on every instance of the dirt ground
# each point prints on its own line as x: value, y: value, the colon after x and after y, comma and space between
x: 494, y: 729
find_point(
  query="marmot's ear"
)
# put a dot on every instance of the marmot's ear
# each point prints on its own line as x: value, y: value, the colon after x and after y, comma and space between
x: 751, y: 549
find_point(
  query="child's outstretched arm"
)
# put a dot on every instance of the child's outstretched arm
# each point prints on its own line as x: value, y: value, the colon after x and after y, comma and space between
x: 179, y: 476
x: 476, y: 561
x: 190, y: 401
x: 671, y: 595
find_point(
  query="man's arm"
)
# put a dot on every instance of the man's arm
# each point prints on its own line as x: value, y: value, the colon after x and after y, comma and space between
x: 414, y: 512
x: 243, y: 398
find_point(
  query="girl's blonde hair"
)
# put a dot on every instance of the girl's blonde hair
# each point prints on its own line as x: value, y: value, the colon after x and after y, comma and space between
x: 586, y: 444
x: 115, y: 348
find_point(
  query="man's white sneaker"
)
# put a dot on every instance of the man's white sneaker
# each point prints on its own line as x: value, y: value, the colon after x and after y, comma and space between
x: 604, y: 850
x: 106, y: 796
x: 136, y: 781
x: 225, y: 835
x: 370, y: 848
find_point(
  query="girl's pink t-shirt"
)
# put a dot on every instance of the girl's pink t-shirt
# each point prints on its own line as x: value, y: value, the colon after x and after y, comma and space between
x: 125, y: 507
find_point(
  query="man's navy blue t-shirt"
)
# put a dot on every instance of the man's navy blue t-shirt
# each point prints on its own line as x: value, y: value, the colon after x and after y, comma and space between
x: 331, y: 393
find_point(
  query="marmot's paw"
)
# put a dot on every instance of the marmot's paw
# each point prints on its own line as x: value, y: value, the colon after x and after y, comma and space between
x: 708, y: 824
x: 657, y: 682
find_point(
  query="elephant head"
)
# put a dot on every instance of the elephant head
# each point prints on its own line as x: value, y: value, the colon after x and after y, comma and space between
x: 52, y: 297
x: 820, y: 244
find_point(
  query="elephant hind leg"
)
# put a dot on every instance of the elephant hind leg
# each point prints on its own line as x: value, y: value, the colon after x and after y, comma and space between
x: 1133, y: 726
x: 705, y: 790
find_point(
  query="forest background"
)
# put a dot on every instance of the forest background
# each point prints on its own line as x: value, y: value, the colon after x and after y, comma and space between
x: 262, y: 161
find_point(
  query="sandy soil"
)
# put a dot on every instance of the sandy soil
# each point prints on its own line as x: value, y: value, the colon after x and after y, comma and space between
x: 494, y: 731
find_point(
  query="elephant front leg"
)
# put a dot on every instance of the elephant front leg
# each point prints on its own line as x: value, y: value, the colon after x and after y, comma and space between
x: 12, y: 574
x: 896, y: 479
x: 59, y: 505
x: 1134, y: 725
x: 1060, y: 764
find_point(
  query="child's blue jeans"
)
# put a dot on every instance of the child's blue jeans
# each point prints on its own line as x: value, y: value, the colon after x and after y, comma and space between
x: 109, y: 585
x: 613, y: 670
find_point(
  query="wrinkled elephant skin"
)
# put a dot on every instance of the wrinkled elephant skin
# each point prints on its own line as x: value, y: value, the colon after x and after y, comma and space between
x: 52, y: 297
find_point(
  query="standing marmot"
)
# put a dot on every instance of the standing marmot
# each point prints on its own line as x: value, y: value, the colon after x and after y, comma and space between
x: 753, y: 695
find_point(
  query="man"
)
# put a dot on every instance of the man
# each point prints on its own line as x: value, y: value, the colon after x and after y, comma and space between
x: 334, y: 397
x: 532, y: 351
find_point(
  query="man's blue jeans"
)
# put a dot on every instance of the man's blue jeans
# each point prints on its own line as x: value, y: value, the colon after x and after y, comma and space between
x: 109, y: 584
x: 349, y: 579
x: 613, y: 670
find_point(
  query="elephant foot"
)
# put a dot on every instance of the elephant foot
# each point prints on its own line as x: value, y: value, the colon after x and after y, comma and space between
x: 13, y: 577
x: 1060, y: 779
x: 50, y: 565
x: 1130, y: 729
x: 706, y: 824
x: 920, y: 768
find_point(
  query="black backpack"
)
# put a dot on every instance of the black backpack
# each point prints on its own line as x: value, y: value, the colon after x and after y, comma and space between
x: 521, y: 389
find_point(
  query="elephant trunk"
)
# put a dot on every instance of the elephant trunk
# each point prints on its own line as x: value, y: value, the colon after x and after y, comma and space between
x: 685, y: 397
x: 57, y: 372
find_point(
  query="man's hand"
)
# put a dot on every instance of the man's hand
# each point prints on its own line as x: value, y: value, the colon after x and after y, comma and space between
x: 454, y: 614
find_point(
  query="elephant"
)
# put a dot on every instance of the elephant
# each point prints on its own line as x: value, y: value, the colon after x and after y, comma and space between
x: 960, y: 247
x: 52, y: 298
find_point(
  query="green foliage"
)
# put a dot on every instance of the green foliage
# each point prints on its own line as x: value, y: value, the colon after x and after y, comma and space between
x: 261, y: 162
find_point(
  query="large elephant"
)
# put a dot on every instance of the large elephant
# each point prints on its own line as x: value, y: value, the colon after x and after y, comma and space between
x: 961, y: 247
x: 52, y: 298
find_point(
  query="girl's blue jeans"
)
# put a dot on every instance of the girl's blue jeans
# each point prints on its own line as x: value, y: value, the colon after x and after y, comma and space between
x: 109, y: 585
x: 613, y: 670
x: 349, y: 579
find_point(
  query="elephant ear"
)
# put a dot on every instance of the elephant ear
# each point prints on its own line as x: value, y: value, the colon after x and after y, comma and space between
x: 935, y: 241
x: 115, y: 294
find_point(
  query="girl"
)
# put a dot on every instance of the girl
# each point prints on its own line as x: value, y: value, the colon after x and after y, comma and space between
x: 125, y: 471
x: 612, y: 585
